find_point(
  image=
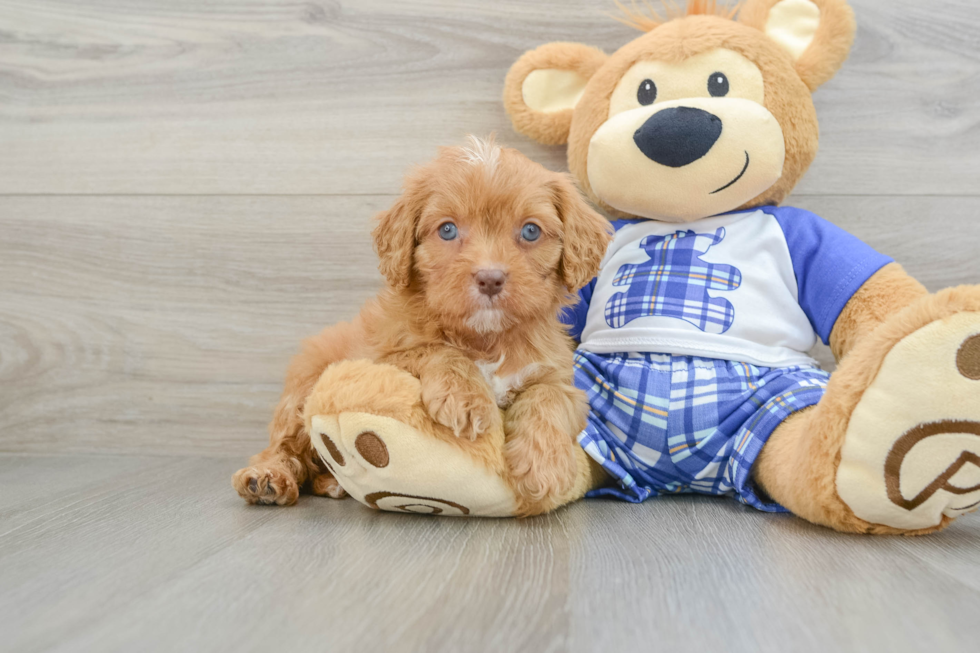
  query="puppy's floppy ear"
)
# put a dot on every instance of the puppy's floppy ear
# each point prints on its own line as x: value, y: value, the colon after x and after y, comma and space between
x: 817, y: 34
x: 544, y: 85
x: 586, y: 234
x: 394, y: 235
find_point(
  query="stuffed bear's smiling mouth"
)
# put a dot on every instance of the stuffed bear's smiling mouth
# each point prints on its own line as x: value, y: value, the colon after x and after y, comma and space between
x: 733, y: 181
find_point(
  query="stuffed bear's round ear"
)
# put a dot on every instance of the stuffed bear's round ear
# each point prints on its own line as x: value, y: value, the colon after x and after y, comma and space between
x: 817, y: 34
x: 543, y: 86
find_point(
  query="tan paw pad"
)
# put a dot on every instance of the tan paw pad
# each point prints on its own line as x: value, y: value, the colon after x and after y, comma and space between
x: 911, y: 453
x: 387, y: 465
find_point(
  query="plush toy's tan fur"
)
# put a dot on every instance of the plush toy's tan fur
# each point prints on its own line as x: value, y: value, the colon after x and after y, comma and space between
x: 798, y: 465
x: 887, y: 292
x: 431, y: 321
x: 787, y: 97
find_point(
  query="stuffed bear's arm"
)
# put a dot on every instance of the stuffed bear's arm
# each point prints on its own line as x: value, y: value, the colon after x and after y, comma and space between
x: 885, y: 293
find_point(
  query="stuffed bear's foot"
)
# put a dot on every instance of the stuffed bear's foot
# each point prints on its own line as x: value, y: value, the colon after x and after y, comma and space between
x: 370, y: 428
x: 911, y: 453
x: 894, y: 445
x: 387, y: 465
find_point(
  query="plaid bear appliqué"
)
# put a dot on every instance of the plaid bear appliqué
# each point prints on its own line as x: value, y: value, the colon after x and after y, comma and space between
x: 675, y: 283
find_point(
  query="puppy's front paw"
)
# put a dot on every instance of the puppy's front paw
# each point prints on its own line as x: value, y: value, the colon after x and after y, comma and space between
x: 467, y: 411
x: 540, y: 475
x: 266, y: 485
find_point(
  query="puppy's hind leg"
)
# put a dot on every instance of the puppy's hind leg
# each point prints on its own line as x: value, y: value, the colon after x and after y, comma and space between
x: 276, y: 475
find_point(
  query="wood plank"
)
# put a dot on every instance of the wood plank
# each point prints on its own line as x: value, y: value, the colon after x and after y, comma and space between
x: 79, y: 556
x: 170, y: 559
x: 32, y: 481
x: 164, y: 324
x: 727, y: 577
x: 251, y: 96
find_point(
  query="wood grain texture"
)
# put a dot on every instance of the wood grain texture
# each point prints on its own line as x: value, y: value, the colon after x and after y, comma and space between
x: 327, y: 97
x: 164, y: 324
x: 176, y: 315
x: 158, y: 555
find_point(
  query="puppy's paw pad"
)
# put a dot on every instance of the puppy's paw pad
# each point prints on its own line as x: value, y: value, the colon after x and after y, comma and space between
x: 266, y: 486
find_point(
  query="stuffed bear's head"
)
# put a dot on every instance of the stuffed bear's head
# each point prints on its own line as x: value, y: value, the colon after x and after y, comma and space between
x: 702, y: 115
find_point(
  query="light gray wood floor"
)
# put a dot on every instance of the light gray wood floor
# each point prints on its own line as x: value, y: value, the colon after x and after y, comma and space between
x: 185, y: 192
x: 138, y: 553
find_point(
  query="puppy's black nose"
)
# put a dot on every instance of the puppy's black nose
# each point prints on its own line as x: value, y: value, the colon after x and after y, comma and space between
x: 678, y: 136
x: 490, y: 282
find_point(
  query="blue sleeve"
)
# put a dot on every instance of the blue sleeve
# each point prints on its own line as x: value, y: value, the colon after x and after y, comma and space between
x: 830, y: 265
x: 574, y: 316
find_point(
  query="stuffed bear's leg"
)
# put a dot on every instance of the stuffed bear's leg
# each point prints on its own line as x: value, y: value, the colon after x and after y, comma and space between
x: 368, y: 424
x: 894, y: 446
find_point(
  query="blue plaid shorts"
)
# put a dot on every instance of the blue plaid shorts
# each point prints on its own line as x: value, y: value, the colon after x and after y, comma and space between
x: 663, y: 424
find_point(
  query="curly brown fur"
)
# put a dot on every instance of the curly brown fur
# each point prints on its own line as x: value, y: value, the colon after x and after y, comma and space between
x: 432, y: 320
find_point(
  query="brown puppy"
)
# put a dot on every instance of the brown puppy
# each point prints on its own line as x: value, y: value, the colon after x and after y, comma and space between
x: 479, y: 254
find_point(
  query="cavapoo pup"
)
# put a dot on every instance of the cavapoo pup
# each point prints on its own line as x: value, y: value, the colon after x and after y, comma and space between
x: 479, y: 255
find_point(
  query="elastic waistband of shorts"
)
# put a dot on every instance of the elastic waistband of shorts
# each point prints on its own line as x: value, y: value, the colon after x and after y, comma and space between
x: 675, y: 362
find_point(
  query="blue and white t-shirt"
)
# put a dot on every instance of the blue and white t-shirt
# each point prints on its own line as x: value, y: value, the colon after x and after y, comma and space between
x: 757, y: 287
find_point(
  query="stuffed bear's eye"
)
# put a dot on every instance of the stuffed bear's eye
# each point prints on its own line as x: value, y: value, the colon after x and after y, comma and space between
x: 531, y: 232
x: 718, y: 85
x: 647, y: 92
x: 448, y: 231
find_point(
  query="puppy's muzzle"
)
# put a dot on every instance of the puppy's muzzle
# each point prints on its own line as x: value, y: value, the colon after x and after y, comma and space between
x: 490, y: 282
x: 678, y: 136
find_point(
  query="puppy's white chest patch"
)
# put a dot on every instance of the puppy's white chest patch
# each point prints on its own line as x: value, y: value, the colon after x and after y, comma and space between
x: 505, y: 386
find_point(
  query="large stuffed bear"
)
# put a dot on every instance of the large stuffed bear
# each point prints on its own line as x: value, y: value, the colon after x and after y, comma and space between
x: 694, y: 336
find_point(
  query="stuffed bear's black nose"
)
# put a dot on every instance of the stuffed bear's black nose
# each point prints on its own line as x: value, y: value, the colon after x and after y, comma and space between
x: 678, y: 136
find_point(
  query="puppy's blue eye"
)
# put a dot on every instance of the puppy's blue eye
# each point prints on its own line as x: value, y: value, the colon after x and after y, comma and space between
x: 531, y: 232
x: 448, y: 231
